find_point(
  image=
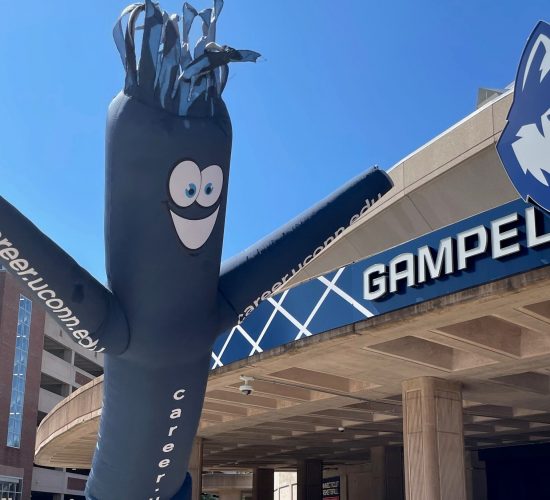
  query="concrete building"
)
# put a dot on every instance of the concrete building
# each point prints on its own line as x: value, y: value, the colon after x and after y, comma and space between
x: 411, y: 360
x: 39, y: 367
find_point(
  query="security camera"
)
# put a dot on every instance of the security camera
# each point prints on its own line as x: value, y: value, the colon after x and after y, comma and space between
x: 246, y: 388
x: 341, y: 429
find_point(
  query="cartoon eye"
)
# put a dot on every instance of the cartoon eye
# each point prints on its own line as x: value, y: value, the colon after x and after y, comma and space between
x: 185, y: 182
x: 211, y: 187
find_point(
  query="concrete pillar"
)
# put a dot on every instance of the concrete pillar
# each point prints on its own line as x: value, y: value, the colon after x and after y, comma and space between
x: 342, y: 471
x: 310, y: 480
x: 387, y: 473
x: 476, y: 477
x: 262, y: 484
x: 195, y: 468
x: 378, y: 462
x: 433, y: 435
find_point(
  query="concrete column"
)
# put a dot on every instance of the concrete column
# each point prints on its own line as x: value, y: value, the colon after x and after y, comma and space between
x: 476, y: 477
x: 195, y: 468
x: 434, y: 439
x: 310, y: 480
x: 387, y: 473
x: 378, y: 462
x: 343, y: 483
x: 262, y: 484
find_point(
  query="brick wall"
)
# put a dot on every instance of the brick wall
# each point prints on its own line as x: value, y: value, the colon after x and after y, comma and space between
x: 21, y: 458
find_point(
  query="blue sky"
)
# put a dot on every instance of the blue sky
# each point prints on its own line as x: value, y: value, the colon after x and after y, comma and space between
x: 341, y: 86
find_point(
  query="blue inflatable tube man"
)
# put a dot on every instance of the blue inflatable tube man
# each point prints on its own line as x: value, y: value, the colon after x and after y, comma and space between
x: 168, y: 148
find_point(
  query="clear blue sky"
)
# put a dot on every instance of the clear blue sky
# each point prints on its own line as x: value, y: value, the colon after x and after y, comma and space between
x: 343, y: 85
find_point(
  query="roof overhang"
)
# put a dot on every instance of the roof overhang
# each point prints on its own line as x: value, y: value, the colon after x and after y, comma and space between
x: 493, y: 338
x: 454, y: 176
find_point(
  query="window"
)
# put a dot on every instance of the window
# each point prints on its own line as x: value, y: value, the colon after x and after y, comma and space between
x: 19, y: 373
x: 10, y: 488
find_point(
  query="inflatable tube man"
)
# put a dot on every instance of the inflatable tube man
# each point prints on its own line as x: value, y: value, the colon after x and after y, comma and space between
x: 167, y: 170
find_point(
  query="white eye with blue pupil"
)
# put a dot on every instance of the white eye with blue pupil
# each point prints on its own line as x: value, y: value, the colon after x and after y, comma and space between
x: 185, y: 182
x: 212, y: 183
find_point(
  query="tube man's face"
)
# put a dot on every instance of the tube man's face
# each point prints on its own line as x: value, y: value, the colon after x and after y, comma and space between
x: 189, y: 185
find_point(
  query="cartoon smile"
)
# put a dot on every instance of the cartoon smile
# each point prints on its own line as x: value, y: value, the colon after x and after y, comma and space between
x: 194, y: 233
x: 187, y: 185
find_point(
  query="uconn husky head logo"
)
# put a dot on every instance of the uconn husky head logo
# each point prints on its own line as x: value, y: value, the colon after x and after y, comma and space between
x: 524, y: 146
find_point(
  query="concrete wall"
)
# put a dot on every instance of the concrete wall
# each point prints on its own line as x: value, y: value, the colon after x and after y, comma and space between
x: 52, y: 330
x: 64, y: 371
x: 57, y: 368
x: 57, y: 481
x: 355, y: 481
x: 371, y: 481
x: 47, y: 400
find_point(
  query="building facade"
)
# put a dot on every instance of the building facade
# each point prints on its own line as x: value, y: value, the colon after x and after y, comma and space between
x: 39, y: 367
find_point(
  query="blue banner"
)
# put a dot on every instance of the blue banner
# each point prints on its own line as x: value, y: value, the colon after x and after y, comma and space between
x: 501, y: 242
x: 331, y: 488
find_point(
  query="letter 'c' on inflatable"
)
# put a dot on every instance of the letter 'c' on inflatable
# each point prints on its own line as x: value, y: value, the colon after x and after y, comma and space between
x: 168, y: 147
x: 179, y: 395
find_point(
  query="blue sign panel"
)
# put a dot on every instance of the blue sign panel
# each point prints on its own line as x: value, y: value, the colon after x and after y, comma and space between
x: 501, y: 242
x: 524, y: 146
x: 331, y: 488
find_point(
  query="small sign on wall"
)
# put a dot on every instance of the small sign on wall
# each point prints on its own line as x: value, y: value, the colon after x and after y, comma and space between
x: 331, y: 488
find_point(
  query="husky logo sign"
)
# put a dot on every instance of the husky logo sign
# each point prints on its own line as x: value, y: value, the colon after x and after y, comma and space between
x: 524, y: 146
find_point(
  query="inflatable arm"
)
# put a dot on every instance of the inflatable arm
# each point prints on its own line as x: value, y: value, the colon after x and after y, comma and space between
x: 77, y: 302
x: 260, y: 271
